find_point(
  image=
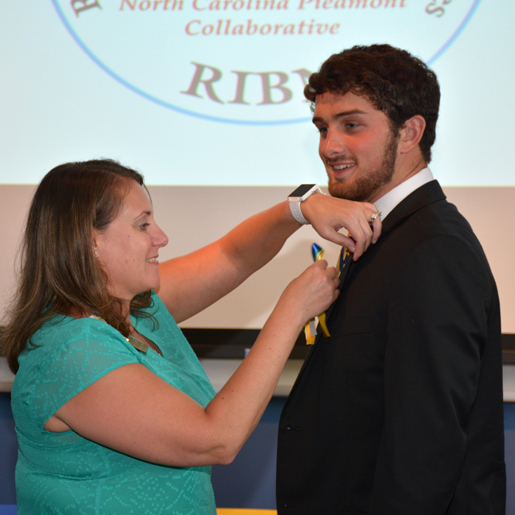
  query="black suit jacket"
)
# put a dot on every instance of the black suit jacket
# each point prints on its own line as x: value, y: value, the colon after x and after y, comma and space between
x: 400, y: 411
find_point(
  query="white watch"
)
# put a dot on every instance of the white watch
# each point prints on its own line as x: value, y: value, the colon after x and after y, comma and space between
x: 297, y: 196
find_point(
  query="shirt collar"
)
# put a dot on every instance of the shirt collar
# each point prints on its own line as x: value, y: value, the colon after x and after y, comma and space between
x: 390, y: 200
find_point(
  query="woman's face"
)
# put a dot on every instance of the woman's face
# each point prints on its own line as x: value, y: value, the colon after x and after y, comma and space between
x: 128, y: 249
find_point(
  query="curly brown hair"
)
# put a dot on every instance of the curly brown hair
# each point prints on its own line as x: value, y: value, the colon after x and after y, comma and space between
x: 59, y: 273
x: 397, y: 83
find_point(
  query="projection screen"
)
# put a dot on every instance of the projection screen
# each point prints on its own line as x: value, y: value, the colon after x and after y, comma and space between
x: 204, y: 97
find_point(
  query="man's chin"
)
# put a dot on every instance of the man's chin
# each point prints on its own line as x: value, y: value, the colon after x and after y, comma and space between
x: 341, y: 190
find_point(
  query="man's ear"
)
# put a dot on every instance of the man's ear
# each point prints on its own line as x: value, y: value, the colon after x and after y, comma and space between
x: 411, y: 133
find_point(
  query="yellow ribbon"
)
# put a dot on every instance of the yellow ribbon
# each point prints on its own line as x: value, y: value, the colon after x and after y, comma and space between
x: 311, y: 327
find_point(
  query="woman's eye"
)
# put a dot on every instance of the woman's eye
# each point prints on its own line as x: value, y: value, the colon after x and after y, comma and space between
x: 144, y: 226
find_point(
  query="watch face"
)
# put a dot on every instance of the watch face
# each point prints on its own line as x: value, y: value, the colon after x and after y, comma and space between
x: 301, y: 190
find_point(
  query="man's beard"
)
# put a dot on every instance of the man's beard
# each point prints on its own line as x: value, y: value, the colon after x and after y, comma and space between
x: 362, y: 188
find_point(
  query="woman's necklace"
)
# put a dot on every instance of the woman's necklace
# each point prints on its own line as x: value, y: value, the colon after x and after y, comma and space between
x: 143, y: 345
x: 135, y: 342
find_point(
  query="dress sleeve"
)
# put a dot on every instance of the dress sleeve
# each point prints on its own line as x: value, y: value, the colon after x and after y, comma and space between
x: 73, y: 355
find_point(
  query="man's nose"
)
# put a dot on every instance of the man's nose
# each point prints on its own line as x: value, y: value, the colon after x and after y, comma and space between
x: 333, y: 145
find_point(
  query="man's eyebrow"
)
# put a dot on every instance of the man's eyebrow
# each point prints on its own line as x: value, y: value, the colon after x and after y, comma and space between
x: 339, y: 115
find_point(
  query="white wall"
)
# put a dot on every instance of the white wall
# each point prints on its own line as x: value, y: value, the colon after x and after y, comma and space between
x: 195, y: 216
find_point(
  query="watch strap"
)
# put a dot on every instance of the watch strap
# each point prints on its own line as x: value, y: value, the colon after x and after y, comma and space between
x: 296, y: 201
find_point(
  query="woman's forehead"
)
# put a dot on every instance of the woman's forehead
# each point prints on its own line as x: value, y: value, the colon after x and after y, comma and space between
x: 136, y: 199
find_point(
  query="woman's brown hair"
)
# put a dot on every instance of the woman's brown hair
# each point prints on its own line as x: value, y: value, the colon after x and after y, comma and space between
x: 59, y: 273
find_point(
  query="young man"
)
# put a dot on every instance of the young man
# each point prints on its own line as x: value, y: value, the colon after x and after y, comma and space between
x: 400, y: 410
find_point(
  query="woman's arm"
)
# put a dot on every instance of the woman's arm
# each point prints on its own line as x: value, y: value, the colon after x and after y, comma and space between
x: 193, y: 282
x: 133, y: 411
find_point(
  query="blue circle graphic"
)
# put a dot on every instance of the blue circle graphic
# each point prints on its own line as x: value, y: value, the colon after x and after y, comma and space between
x: 188, y: 112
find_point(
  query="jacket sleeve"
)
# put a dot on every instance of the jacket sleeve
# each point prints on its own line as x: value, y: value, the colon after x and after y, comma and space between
x: 438, y: 318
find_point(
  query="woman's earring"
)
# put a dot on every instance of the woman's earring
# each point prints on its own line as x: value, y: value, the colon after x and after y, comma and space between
x: 96, y: 253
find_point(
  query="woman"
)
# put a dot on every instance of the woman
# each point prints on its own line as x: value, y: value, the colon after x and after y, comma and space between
x: 113, y: 411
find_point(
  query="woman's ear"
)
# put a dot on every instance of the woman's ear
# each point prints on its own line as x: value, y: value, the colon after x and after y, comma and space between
x: 95, y: 246
x: 411, y: 133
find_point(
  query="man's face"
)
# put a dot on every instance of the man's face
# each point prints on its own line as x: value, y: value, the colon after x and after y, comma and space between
x: 357, y: 146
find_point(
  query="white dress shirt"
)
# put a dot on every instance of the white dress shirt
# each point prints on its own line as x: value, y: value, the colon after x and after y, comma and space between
x: 389, y: 200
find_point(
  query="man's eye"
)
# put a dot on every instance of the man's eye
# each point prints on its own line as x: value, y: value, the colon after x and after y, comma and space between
x: 322, y: 130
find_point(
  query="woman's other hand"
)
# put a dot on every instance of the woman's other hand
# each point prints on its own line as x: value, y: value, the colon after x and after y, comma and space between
x: 311, y: 293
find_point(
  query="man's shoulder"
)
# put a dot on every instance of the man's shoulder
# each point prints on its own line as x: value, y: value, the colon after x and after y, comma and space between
x: 427, y: 213
x: 442, y: 220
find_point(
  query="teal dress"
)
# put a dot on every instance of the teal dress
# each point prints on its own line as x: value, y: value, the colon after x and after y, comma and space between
x: 64, y: 473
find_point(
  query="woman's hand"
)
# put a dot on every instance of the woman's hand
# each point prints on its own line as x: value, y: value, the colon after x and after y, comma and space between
x: 328, y: 215
x: 310, y: 294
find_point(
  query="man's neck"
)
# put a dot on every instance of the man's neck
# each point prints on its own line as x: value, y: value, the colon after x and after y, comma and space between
x: 405, y: 168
